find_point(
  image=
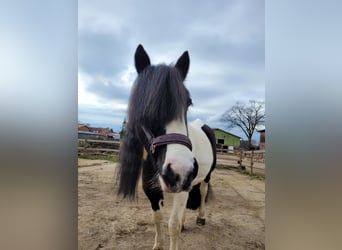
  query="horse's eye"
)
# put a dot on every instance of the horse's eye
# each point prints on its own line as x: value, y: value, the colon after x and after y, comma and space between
x: 189, y: 101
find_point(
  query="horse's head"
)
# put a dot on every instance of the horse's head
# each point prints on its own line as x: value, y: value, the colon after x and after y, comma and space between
x: 157, y: 113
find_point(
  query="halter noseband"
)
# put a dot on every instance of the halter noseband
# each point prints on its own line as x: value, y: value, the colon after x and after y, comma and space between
x: 172, y: 138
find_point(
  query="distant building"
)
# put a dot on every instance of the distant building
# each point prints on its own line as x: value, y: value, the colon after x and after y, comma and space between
x: 262, y: 144
x: 105, y: 131
x: 87, y: 132
x: 226, y: 140
x: 82, y: 127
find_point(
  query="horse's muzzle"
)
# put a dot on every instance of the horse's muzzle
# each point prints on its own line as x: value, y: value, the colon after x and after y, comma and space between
x: 173, y: 183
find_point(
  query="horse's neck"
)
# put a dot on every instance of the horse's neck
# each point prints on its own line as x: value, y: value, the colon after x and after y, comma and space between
x: 201, y: 149
x: 199, y: 139
x: 176, y: 126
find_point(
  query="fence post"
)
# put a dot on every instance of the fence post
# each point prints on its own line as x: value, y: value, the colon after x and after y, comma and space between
x: 85, y: 146
x: 240, y: 158
x: 252, y: 162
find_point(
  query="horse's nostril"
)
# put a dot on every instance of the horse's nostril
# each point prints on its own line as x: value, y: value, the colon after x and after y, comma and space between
x: 189, y: 178
x: 186, y: 185
x: 170, y: 177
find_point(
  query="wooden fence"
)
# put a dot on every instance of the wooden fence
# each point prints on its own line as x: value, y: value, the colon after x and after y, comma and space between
x: 253, y: 161
x: 88, y: 147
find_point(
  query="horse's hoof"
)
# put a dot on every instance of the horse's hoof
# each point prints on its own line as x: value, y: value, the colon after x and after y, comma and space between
x: 200, y: 221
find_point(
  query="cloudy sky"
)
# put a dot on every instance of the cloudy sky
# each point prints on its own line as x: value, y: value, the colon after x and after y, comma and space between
x: 225, y: 40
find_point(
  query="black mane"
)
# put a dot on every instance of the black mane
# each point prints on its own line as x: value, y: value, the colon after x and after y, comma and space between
x: 158, y: 97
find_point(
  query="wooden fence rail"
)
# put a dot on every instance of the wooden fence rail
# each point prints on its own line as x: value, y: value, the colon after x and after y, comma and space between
x: 253, y: 160
x: 88, y: 147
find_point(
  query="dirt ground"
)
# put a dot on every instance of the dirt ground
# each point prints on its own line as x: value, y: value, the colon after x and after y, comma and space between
x: 235, y: 217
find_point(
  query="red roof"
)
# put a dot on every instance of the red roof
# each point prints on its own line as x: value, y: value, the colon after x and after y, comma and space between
x: 82, y: 127
x: 106, y: 131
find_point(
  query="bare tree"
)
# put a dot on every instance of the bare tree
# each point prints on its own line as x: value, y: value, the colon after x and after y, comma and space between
x: 123, y: 127
x: 245, y: 116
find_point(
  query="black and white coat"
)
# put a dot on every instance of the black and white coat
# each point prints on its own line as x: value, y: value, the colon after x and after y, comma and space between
x: 159, y: 102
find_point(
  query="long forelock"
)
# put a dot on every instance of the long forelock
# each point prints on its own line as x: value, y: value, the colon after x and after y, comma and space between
x: 158, y: 97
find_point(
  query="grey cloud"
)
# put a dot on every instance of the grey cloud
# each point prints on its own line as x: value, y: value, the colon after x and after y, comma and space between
x: 109, y: 91
x: 102, y: 54
x: 225, y: 40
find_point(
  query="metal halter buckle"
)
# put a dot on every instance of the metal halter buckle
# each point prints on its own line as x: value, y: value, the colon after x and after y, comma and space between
x: 153, y: 148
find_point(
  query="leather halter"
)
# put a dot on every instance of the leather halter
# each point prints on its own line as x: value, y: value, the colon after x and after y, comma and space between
x: 172, y: 138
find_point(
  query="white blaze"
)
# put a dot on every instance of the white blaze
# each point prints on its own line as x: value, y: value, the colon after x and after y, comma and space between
x: 178, y: 156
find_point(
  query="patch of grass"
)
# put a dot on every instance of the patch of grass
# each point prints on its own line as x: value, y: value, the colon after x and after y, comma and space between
x: 256, y: 176
x: 229, y: 167
x: 113, y: 158
x: 241, y: 171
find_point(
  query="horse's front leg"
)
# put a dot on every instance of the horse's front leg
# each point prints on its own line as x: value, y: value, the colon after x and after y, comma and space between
x: 158, y: 239
x: 155, y: 195
x: 176, y: 218
x: 201, y: 211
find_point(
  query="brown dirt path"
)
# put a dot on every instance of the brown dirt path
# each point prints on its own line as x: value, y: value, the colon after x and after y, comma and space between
x: 235, y: 218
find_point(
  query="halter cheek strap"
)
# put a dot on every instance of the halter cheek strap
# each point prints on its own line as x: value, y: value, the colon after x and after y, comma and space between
x: 172, y: 138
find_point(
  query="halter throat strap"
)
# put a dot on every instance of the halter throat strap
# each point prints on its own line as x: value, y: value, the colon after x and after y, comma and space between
x: 172, y: 138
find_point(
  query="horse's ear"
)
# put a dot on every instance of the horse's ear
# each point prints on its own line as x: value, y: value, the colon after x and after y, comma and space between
x: 141, y: 59
x: 183, y: 64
